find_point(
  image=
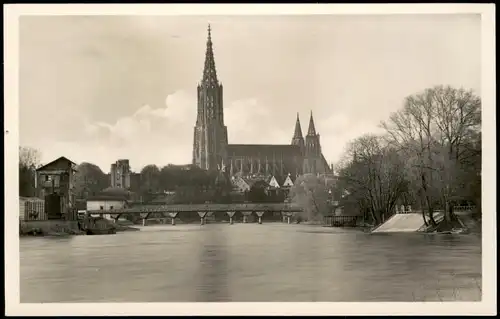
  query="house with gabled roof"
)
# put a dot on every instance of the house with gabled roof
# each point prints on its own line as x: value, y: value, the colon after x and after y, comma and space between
x: 55, y: 183
x: 273, y: 182
x: 289, y: 181
x: 244, y: 183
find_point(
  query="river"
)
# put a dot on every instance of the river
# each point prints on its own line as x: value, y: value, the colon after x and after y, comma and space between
x: 250, y: 262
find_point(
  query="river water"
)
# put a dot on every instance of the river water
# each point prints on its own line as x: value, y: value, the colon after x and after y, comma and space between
x: 250, y: 262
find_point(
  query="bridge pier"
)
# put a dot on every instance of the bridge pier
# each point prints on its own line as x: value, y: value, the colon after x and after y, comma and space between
x: 230, y: 214
x: 202, y: 217
x: 245, y: 216
x: 115, y: 217
x: 288, y: 216
x: 173, y: 215
x: 260, y: 214
x: 144, y: 218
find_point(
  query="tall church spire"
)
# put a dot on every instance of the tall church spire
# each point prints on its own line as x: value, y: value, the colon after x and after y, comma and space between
x: 312, y: 130
x: 210, y: 133
x: 298, y: 129
x: 297, y: 138
x: 209, y: 72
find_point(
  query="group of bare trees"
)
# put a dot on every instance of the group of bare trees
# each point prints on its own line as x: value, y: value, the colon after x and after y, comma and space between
x: 429, y: 156
x: 29, y: 161
x: 375, y: 177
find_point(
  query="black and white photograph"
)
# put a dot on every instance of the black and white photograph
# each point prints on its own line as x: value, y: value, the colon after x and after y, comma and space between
x: 187, y: 155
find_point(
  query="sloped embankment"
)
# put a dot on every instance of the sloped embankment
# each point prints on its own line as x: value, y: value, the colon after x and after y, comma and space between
x: 410, y: 222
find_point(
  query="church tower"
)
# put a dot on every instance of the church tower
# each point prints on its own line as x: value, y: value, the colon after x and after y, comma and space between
x: 210, y: 133
x: 313, y: 156
x: 297, y: 138
x: 313, y: 147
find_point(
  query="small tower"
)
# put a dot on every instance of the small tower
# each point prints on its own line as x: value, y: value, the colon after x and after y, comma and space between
x: 297, y: 138
x: 313, y: 147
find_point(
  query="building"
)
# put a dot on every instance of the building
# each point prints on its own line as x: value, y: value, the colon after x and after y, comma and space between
x: 55, y: 184
x: 135, y: 182
x: 109, y: 199
x: 120, y: 174
x: 211, y: 146
x: 289, y: 181
x: 243, y: 184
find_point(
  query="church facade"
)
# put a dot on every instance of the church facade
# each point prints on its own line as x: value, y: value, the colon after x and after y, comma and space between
x: 211, y: 149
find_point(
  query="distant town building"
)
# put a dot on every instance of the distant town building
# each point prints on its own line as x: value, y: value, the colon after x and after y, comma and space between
x: 244, y: 184
x: 289, y: 181
x: 55, y: 184
x: 135, y: 182
x: 120, y: 174
x: 211, y: 147
x: 109, y: 199
x: 273, y: 182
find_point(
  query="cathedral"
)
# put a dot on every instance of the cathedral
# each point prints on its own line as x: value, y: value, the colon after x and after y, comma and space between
x: 211, y: 148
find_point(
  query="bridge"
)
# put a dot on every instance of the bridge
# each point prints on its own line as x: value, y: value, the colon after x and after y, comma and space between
x: 203, y: 210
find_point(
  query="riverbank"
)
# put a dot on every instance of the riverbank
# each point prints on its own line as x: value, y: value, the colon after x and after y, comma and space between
x: 463, y: 223
x: 62, y: 229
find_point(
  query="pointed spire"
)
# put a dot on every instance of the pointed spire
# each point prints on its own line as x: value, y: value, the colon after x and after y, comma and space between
x: 298, y: 128
x: 312, y: 130
x: 209, y: 71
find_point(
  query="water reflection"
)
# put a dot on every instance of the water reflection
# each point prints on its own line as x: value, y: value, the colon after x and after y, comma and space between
x: 212, y: 274
x: 269, y: 262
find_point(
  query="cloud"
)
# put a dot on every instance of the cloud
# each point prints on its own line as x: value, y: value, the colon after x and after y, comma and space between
x: 165, y: 135
x: 119, y: 71
x: 252, y: 122
x: 339, y: 129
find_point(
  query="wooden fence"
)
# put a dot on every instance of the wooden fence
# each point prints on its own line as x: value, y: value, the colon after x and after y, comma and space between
x: 31, y: 208
x: 341, y: 221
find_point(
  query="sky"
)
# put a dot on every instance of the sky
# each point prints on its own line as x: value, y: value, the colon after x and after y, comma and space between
x: 100, y: 88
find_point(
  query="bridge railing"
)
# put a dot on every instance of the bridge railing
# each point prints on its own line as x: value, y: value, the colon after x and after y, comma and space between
x: 408, y: 210
x: 289, y: 207
x: 465, y: 208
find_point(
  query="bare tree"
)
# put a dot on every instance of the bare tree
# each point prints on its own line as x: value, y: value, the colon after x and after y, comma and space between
x: 29, y: 157
x: 375, y: 176
x: 432, y: 130
x: 458, y: 118
x: 29, y: 160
